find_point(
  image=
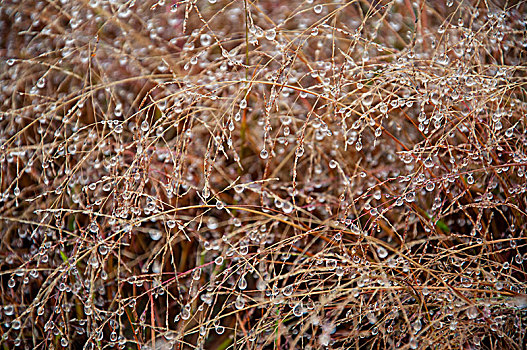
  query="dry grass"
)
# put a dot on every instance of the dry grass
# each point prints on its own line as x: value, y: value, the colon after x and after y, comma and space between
x: 263, y: 175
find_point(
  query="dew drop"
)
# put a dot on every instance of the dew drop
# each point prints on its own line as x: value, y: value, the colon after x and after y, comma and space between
x: 145, y: 126
x: 416, y: 326
x: 41, y: 83
x: 430, y: 186
x: 205, y: 40
x: 299, y: 151
x: 206, y: 192
x: 219, y: 260
x: 367, y: 99
x: 196, y: 274
x: 298, y: 310
x: 219, y: 329
x: 242, y: 283
x: 428, y: 162
x: 472, y: 312
x: 103, y: 249
x: 287, y: 207
x: 382, y: 252
x: 288, y: 291
x: 240, y: 302
x: 358, y: 145
x: 270, y: 34
x: 185, y: 312
x: 155, y: 235
x: 118, y: 129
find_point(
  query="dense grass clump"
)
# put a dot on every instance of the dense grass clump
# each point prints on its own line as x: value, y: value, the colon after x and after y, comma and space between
x: 210, y: 174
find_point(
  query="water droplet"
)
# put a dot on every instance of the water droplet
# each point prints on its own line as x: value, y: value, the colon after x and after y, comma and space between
x: 288, y: 290
x: 298, y: 310
x: 242, y: 283
x: 299, y: 151
x: 155, y: 235
x: 145, y: 126
x: 358, y: 145
x: 331, y: 264
x: 206, y: 192
x: 367, y: 99
x: 103, y: 249
x: 428, y: 162
x: 185, y: 312
x: 205, y: 39
x: 430, y: 186
x: 472, y: 312
x: 332, y: 164
x: 94, y: 227
x: 417, y: 325
x: 244, y: 249
x: 240, y: 302
x: 118, y: 128
x: 270, y: 34
x: 382, y: 252
x: 219, y: 329
x: 243, y: 104
x: 41, y: 83
x: 219, y: 260
x: 264, y: 154
x: 196, y: 274
x: 317, y: 9
x: 287, y: 207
